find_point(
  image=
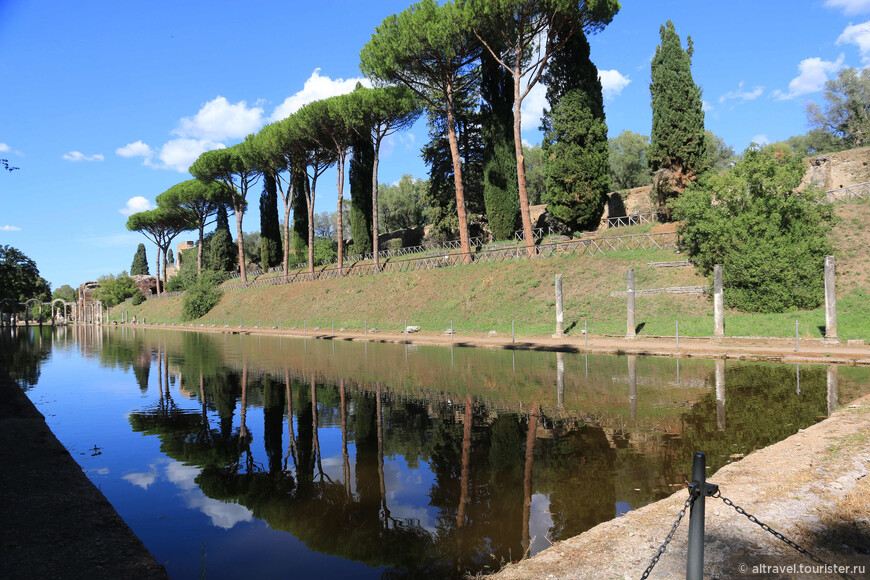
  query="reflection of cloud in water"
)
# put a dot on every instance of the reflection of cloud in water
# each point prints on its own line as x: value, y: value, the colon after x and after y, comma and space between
x: 397, y: 480
x: 222, y: 515
x: 540, y: 522
x: 100, y: 471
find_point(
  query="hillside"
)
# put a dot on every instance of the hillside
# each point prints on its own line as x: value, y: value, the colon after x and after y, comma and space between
x: 482, y: 297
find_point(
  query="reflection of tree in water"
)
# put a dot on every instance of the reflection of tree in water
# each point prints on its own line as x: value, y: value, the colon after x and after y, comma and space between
x: 22, y: 352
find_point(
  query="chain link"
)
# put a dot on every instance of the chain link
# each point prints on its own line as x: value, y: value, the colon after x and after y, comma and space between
x: 670, y: 535
x: 776, y: 534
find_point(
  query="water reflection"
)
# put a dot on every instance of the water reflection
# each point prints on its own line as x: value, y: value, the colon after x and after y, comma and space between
x: 416, y: 461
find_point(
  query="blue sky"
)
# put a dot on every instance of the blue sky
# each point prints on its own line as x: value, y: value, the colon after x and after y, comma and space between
x: 104, y: 104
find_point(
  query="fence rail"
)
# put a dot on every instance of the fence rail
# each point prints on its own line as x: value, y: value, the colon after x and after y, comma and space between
x: 447, y: 259
x: 847, y: 194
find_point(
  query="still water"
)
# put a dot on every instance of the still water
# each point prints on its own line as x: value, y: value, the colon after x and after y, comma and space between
x: 237, y: 455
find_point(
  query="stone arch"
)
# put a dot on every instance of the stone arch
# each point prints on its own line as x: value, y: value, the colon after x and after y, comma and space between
x: 64, y: 306
x: 12, y: 307
x: 26, y: 305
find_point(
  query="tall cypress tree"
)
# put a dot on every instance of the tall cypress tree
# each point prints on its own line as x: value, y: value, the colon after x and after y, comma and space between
x: 271, y: 249
x: 222, y: 252
x: 576, y: 151
x: 500, y: 189
x: 677, y: 150
x: 140, y: 262
x: 299, y: 233
x: 360, y: 175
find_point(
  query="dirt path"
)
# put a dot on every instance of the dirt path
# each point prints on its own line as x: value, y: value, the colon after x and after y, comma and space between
x: 812, y: 487
x: 56, y: 524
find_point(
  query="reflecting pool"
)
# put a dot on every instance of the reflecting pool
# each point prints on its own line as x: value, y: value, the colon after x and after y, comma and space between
x: 234, y: 455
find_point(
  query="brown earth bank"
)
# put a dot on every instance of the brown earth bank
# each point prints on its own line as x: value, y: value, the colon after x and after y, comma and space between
x: 55, y: 523
x: 812, y: 487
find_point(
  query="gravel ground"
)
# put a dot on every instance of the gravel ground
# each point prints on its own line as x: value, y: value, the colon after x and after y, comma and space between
x: 55, y: 523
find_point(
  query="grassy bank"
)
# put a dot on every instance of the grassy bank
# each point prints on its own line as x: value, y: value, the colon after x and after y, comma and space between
x: 483, y: 297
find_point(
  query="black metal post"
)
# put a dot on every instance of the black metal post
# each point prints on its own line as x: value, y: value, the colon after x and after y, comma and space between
x: 695, y: 559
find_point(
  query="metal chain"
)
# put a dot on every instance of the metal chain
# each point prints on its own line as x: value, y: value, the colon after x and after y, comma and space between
x: 670, y: 535
x: 776, y: 534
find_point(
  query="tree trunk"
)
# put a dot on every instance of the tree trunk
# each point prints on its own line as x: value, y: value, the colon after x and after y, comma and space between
x: 240, y: 241
x: 165, y: 264
x: 521, y: 169
x: 309, y: 200
x: 375, y: 226
x: 338, y: 220
x: 157, y: 273
x: 286, y: 241
x: 527, y: 473
x: 457, y: 180
x: 199, y: 250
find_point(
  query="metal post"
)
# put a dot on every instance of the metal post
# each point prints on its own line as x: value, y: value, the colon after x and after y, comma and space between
x: 586, y: 331
x: 678, y: 334
x: 695, y: 559
x: 513, y: 334
x: 797, y: 338
x: 406, y: 336
x: 451, y: 338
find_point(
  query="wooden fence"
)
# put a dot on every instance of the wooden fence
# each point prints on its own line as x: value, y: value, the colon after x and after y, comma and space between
x: 847, y: 194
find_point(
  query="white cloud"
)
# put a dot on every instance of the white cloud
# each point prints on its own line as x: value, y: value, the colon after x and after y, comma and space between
x: 859, y: 35
x: 10, y: 229
x: 79, y: 156
x: 533, y: 107
x: 179, y: 154
x: 813, y: 75
x: 742, y: 95
x: 143, y: 480
x: 135, y: 205
x: 219, y: 119
x: 705, y: 106
x: 137, y: 149
x: 612, y: 83
x: 316, y: 87
x: 850, y: 6
x: 4, y: 147
x: 760, y: 139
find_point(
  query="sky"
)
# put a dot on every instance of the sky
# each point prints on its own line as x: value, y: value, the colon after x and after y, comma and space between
x: 105, y: 104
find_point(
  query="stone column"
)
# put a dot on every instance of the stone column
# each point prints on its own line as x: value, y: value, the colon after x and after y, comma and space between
x: 720, y: 394
x: 632, y: 386
x: 560, y: 315
x: 718, y: 303
x: 830, y: 301
x: 630, y: 331
x: 833, y: 389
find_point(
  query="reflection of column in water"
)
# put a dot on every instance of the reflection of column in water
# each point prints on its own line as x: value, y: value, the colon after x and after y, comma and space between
x: 720, y: 394
x: 560, y: 379
x: 632, y: 385
x: 586, y: 356
x: 798, y: 374
x: 451, y: 356
x: 833, y: 389
x: 315, y: 439
x: 243, y: 428
x: 678, y: 372
x: 379, y: 414
x: 527, y: 476
x: 514, y: 359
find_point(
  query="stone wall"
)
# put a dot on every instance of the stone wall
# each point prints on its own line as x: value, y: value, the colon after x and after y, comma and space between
x: 838, y: 170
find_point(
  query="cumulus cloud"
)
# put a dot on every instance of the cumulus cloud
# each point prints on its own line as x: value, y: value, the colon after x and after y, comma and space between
x: 179, y: 154
x: 137, y: 149
x: 219, y: 119
x: 135, y: 205
x: 760, y: 139
x: 10, y: 229
x: 4, y: 147
x: 850, y: 6
x: 612, y: 83
x: 316, y: 87
x: 741, y: 95
x: 859, y: 35
x: 705, y: 106
x: 813, y: 75
x: 76, y: 156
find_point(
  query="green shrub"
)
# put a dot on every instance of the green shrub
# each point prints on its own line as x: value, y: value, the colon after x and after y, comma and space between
x: 394, y: 244
x: 138, y: 298
x: 202, y: 296
x: 770, y: 239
